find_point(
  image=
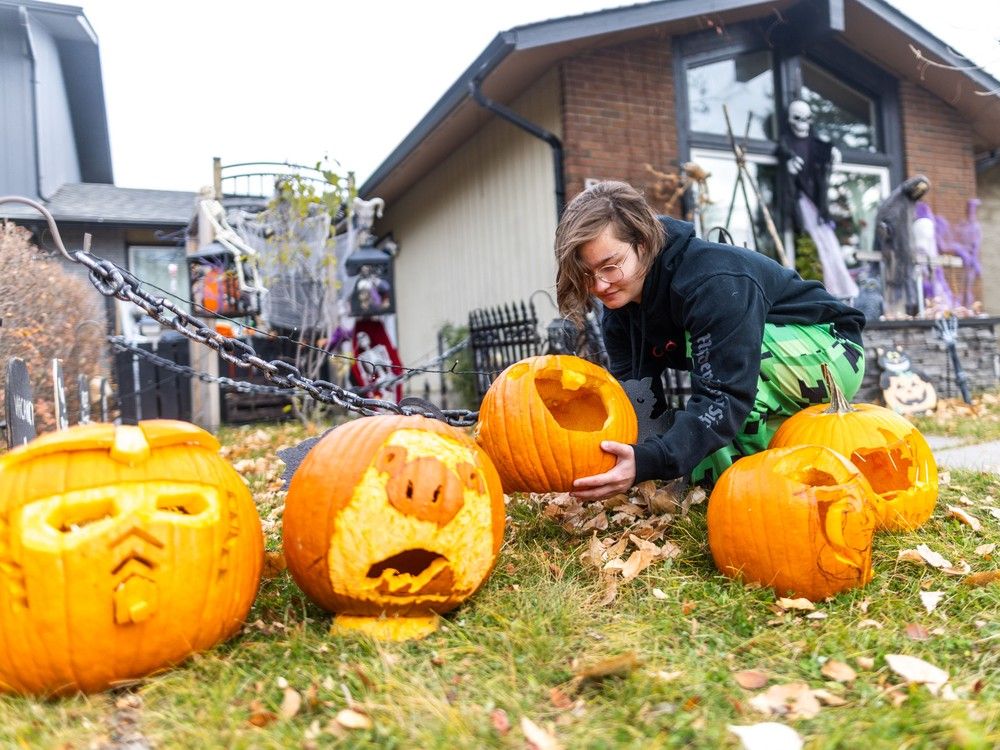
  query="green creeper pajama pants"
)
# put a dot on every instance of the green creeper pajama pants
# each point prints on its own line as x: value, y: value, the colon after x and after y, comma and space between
x: 790, y: 380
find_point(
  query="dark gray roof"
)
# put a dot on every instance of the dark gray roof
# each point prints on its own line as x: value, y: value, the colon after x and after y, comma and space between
x: 521, y: 41
x: 89, y: 203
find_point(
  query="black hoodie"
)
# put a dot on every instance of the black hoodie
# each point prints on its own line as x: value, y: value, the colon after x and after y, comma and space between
x: 721, y: 295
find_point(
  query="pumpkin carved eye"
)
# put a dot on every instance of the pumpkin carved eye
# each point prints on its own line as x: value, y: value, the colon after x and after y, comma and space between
x: 184, y: 504
x: 71, y: 517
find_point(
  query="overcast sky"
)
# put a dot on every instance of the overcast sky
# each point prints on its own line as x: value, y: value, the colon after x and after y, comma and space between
x: 186, y: 80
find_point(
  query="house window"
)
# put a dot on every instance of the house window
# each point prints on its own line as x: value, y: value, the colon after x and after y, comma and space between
x: 165, y: 269
x: 843, y: 114
x: 745, y: 84
x: 856, y: 191
x: 734, y: 206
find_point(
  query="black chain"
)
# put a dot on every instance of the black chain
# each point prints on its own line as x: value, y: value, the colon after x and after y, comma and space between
x: 112, y: 281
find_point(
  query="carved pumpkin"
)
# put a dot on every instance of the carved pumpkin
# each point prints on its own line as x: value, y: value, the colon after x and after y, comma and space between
x: 892, y: 454
x: 797, y: 519
x: 389, y: 520
x: 122, y: 551
x: 543, y: 419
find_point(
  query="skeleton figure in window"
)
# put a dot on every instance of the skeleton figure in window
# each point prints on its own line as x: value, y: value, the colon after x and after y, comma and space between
x: 894, y: 240
x: 808, y: 161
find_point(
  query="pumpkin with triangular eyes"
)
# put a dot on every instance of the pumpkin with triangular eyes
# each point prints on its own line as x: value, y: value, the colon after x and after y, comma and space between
x: 390, y: 521
x: 123, y: 550
x: 799, y: 520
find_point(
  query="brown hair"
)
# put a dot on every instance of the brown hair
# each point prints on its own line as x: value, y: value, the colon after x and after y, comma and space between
x: 613, y: 203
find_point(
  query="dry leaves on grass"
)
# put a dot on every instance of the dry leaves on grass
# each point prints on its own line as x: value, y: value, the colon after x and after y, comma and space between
x: 537, y: 737
x: 924, y: 555
x: 793, y: 700
x: 915, y: 670
x: 769, y: 735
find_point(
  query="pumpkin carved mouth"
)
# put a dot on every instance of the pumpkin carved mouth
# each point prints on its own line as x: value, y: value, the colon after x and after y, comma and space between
x: 412, y: 571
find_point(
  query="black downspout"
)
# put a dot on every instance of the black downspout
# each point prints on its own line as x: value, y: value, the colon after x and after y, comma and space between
x: 535, y: 130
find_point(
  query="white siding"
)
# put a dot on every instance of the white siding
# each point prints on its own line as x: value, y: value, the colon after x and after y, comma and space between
x: 478, y: 230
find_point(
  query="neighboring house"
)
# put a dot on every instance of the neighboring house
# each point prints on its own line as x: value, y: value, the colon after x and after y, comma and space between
x: 471, y: 198
x: 54, y: 148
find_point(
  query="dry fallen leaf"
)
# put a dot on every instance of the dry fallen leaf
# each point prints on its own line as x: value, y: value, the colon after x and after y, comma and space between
x: 499, y: 720
x: 930, y: 599
x: 770, y: 735
x: 794, y: 700
x: 931, y: 557
x: 865, y: 662
x: 801, y: 604
x: 916, y: 632
x: 986, y: 550
x: 538, y: 738
x: 965, y: 517
x: 260, y: 716
x: 982, y: 579
x: 615, y: 666
x: 838, y: 671
x: 348, y: 718
x: 274, y: 564
x: 664, y: 676
x: 659, y: 594
x: 751, y: 679
x: 290, y: 703
x: 912, y: 669
x: 960, y: 568
x: 910, y: 555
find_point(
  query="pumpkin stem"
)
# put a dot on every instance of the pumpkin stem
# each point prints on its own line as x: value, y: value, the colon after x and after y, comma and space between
x: 838, y: 404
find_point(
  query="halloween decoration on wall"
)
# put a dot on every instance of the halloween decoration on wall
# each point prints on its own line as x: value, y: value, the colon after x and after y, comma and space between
x: 924, y: 235
x: 798, y: 519
x: 963, y: 240
x: 947, y: 328
x: 889, y: 451
x: 893, y: 239
x: 808, y: 160
x: 543, y: 419
x: 869, y: 299
x: 375, y: 360
x: 123, y: 550
x: 390, y: 521
x: 905, y: 390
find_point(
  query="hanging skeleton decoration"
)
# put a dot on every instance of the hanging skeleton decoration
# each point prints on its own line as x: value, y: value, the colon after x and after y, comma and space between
x: 893, y: 239
x: 808, y: 162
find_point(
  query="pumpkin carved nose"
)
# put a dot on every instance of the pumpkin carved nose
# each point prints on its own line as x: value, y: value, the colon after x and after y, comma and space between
x: 423, y: 487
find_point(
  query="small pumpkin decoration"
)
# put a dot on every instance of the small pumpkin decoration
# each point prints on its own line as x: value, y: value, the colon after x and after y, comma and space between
x: 543, y: 419
x: 797, y: 519
x: 390, y: 521
x: 892, y: 454
x: 123, y: 550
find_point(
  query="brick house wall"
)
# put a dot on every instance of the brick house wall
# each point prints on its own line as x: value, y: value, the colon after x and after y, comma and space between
x: 989, y: 218
x: 610, y: 129
x: 938, y: 143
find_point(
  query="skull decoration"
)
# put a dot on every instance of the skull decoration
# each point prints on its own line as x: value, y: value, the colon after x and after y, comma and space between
x: 799, y: 118
x: 123, y: 550
x: 798, y: 519
x: 391, y: 520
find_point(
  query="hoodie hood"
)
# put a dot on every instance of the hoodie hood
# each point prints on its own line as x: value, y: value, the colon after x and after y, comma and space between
x: 656, y: 288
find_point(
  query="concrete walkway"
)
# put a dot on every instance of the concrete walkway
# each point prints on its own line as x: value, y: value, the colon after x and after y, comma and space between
x: 951, y: 454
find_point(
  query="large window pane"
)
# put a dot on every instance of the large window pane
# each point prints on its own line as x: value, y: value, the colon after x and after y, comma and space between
x: 165, y: 268
x: 728, y: 207
x: 842, y: 114
x: 745, y: 84
x: 855, y: 194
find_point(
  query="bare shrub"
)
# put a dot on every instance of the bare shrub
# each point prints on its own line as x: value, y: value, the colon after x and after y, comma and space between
x: 44, y: 308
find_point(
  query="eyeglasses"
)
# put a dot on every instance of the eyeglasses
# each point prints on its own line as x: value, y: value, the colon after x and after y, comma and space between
x: 611, y: 273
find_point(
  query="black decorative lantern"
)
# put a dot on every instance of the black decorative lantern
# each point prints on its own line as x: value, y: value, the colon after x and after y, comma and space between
x: 372, y: 291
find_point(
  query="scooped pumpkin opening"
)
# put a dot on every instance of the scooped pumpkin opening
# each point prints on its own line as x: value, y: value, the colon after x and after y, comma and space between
x: 886, y: 469
x: 581, y: 410
x: 813, y: 477
x: 73, y: 516
x: 410, y: 562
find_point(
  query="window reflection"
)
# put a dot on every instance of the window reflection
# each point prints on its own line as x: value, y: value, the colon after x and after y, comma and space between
x: 845, y: 116
x: 855, y: 196
x: 166, y: 269
x: 745, y: 84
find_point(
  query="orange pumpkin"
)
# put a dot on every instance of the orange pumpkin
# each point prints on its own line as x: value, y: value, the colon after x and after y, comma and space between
x: 797, y: 519
x: 543, y: 419
x: 390, y: 521
x: 122, y: 550
x: 892, y: 454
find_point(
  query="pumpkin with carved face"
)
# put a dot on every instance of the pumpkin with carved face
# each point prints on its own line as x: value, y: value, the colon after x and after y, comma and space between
x: 892, y: 454
x: 390, y: 521
x: 122, y: 551
x: 543, y: 419
x: 797, y: 519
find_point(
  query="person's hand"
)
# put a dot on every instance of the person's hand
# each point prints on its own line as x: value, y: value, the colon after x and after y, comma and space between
x: 618, y: 479
x: 794, y: 164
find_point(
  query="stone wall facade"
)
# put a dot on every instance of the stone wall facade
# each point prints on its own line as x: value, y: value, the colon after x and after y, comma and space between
x: 976, y: 346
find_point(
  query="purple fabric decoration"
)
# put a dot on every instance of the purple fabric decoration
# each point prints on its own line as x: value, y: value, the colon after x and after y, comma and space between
x: 963, y: 241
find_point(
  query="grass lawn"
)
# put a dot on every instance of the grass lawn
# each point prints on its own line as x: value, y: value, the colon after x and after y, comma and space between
x: 686, y: 651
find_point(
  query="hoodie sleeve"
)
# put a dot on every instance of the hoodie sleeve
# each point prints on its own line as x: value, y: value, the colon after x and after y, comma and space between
x: 724, y: 317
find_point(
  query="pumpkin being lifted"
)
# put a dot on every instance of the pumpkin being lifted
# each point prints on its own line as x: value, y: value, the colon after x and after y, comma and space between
x: 892, y: 454
x: 543, y: 419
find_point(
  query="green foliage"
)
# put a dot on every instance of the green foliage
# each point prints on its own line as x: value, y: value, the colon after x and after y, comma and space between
x: 461, y: 381
x: 807, y: 258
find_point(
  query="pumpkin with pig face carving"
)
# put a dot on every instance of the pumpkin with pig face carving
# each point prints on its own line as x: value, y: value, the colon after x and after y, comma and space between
x: 122, y: 551
x: 392, y: 520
